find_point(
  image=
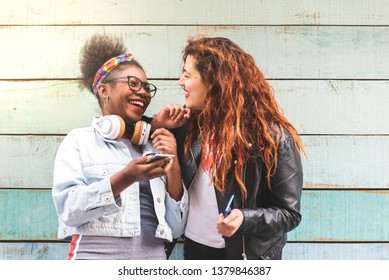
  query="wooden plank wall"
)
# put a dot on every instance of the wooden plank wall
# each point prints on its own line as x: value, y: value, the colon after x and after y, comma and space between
x: 328, y: 62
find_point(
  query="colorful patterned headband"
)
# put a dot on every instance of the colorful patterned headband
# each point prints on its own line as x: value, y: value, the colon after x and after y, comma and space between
x: 107, y: 67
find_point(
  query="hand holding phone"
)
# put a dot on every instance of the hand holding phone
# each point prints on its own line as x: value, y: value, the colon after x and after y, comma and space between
x: 155, y: 157
x: 228, y: 209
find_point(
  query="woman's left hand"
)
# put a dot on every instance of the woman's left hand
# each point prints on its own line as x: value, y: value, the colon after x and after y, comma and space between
x: 172, y: 116
x: 229, y: 225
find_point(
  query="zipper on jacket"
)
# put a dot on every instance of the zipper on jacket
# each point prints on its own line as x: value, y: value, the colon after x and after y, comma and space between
x: 244, y: 256
x: 244, y: 249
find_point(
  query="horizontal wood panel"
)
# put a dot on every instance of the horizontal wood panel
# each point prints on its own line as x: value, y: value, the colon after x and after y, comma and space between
x: 322, y: 251
x: 298, y: 52
x: 33, y: 251
x: 336, y: 251
x: 334, y: 106
x: 327, y: 216
x: 346, y: 162
x: 27, y: 215
x: 343, y: 216
x: 292, y: 251
x: 321, y: 12
x: 27, y: 161
x: 45, y: 107
x: 314, y: 107
x: 333, y: 162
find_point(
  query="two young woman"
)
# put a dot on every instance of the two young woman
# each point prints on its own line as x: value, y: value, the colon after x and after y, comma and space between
x: 236, y: 142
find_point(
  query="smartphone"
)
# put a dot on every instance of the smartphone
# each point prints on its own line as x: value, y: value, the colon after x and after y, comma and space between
x: 155, y: 157
x: 228, y: 209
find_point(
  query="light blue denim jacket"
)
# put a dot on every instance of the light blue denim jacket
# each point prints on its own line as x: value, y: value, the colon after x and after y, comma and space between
x: 83, y: 197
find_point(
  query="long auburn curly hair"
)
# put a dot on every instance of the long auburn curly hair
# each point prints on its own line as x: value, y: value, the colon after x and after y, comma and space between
x: 241, y: 113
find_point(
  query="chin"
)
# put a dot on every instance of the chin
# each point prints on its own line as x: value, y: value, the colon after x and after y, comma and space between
x: 189, y: 105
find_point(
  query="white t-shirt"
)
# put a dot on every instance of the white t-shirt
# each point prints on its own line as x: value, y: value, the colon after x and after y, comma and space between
x: 203, y: 212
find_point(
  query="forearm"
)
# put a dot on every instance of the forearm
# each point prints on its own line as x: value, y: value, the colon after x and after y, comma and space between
x: 174, y: 182
x: 119, y: 182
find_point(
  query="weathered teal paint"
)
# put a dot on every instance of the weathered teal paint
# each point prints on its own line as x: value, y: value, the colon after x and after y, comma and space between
x: 331, y: 215
x: 243, y: 12
x: 341, y: 161
x: 327, y: 61
x: 314, y: 107
x: 336, y: 251
x: 343, y: 216
x: 322, y: 251
x: 27, y: 161
x: 287, y: 52
x: 27, y: 215
x: 292, y: 251
x: 333, y: 162
x: 33, y: 251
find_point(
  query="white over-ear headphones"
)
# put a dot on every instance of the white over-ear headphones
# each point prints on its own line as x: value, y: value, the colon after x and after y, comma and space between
x: 113, y: 126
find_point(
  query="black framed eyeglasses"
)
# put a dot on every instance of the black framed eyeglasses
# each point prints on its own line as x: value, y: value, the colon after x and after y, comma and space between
x: 135, y: 84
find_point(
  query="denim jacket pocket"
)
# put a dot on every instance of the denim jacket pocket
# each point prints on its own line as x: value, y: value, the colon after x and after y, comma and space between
x: 97, y: 172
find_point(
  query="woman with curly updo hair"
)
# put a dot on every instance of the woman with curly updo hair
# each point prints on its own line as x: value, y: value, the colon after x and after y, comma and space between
x: 236, y: 147
x: 113, y: 199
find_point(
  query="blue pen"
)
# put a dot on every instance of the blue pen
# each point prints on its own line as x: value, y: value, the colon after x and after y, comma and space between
x: 228, y: 208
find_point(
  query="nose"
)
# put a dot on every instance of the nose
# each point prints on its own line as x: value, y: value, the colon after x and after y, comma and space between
x: 181, y: 81
x: 143, y: 92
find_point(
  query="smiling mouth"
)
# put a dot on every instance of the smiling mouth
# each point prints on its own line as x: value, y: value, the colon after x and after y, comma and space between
x: 138, y: 104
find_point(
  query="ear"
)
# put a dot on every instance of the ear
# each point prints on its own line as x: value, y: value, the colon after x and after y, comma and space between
x: 103, y: 91
x: 209, y: 87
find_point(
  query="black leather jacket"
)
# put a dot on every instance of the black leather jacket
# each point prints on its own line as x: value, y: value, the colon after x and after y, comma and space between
x: 269, y: 213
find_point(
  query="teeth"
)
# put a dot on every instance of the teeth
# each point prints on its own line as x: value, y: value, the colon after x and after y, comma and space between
x: 138, y: 103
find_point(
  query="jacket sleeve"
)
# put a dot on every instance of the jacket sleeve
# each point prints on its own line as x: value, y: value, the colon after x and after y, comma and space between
x: 177, y: 213
x: 77, y: 202
x: 281, y: 212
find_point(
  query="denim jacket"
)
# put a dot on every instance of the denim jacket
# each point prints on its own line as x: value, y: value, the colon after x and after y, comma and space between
x: 83, y: 197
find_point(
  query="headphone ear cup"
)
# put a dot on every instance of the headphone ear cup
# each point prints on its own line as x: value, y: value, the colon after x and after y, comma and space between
x: 122, y: 126
x: 141, y: 133
x: 111, y: 126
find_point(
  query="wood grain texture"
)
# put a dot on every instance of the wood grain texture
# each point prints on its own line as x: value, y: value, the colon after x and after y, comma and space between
x: 287, y: 52
x: 27, y: 215
x: 328, y: 62
x: 343, y: 216
x: 334, y: 106
x: 336, y: 251
x: 338, y: 162
x: 45, y: 107
x: 317, y: 12
x: 313, y: 107
x: 333, y: 162
x: 33, y: 251
x: 334, y: 216
x: 292, y: 251
x: 322, y: 251
x: 27, y: 161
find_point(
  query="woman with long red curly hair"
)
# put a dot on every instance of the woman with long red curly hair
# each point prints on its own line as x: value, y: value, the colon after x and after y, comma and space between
x: 236, y: 142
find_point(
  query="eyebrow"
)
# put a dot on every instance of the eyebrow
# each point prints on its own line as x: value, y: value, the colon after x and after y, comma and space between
x: 184, y: 70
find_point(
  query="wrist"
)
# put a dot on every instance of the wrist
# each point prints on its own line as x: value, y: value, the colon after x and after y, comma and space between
x: 154, y: 123
x: 175, y: 168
